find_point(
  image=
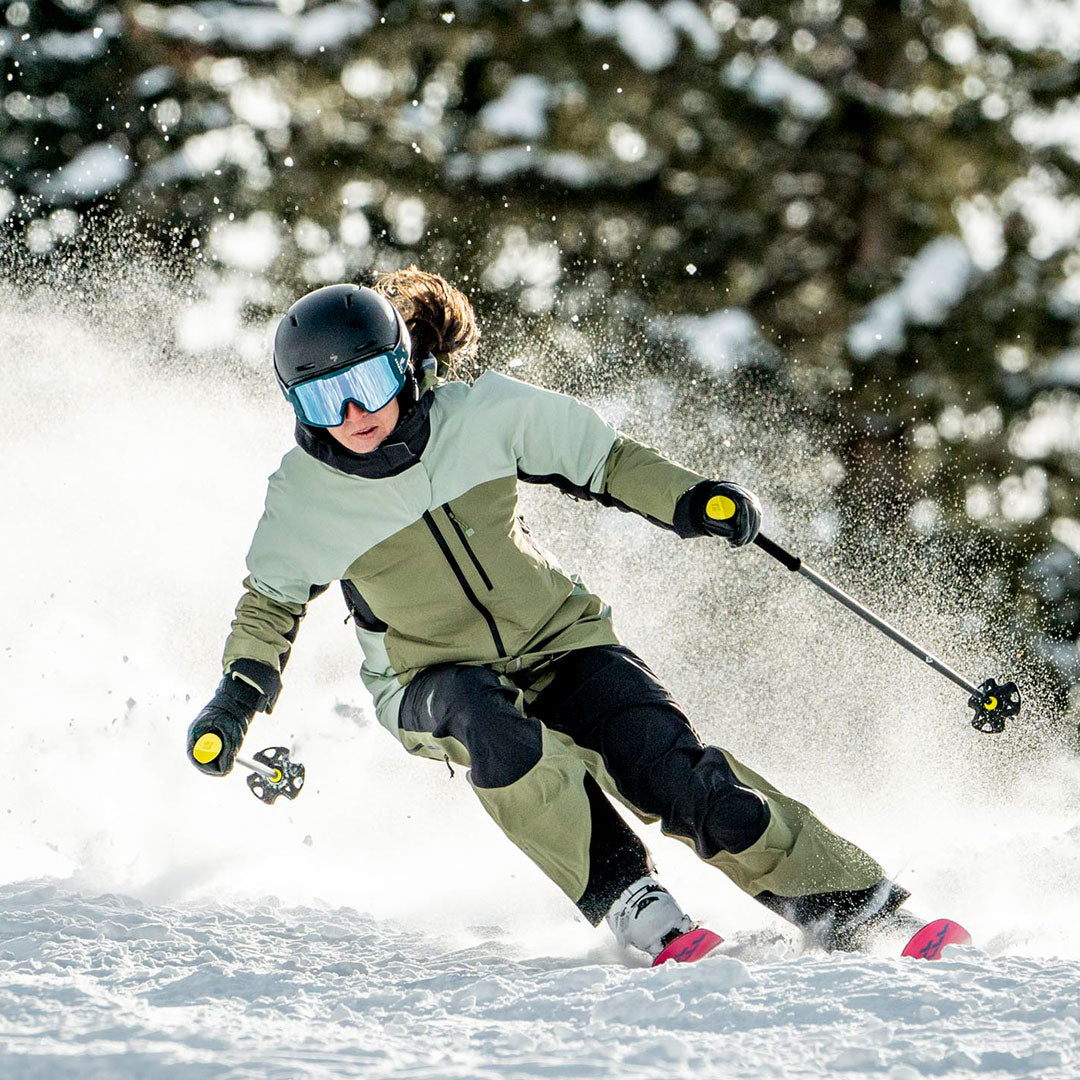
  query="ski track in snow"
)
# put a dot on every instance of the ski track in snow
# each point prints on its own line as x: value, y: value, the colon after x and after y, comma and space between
x: 107, y: 986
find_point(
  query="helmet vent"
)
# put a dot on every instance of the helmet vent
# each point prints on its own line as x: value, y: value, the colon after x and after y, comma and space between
x: 305, y: 367
x: 293, y: 320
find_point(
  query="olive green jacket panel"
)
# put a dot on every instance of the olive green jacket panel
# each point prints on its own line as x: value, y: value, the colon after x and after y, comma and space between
x: 645, y: 481
x: 429, y: 581
x: 262, y: 629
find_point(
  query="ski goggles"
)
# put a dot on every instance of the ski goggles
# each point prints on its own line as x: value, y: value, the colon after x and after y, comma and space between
x: 371, y: 383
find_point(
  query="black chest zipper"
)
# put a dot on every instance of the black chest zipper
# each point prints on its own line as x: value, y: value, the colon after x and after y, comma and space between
x: 461, y: 535
x: 463, y: 581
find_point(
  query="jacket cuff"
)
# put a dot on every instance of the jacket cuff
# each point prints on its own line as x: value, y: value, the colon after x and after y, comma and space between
x: 253, y: 684
x: 689, y: 517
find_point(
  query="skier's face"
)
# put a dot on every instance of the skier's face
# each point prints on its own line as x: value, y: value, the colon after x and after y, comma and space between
x: 362, y: 431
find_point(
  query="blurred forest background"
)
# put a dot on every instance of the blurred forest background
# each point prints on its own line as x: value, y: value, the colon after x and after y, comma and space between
x: 866, y: 209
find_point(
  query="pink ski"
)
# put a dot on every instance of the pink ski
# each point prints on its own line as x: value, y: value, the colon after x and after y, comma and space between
x: 687, y: 948
x: 933, y: 937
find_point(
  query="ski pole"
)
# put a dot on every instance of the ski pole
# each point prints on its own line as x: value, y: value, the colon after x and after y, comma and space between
x: 992, y: 701
x: 263, y: 770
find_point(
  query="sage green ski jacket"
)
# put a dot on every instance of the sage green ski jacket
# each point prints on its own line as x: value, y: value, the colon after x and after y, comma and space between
x: 435, y: 563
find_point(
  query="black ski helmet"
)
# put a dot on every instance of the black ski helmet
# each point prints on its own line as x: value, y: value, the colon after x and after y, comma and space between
x: 335, y: 327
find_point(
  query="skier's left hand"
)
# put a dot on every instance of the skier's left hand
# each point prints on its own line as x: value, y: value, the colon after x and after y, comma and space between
x: 728, y: 510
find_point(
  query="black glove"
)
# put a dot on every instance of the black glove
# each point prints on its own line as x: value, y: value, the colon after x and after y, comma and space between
x: 214, y: 738
x: 719, y: 508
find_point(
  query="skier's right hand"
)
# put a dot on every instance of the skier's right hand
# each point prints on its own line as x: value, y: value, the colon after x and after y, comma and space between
x: 731, y: 511
x: 214, y: 738
x: 718, y: 508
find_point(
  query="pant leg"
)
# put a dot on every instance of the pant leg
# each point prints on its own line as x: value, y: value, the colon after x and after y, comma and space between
x: 535, y: 788
x: 606, y: 700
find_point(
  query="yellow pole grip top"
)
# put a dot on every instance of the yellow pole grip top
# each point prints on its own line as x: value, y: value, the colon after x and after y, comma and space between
x: 207, y: 748
x: 720, y: 508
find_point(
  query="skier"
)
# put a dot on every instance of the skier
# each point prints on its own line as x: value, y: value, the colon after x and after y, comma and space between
x: 479, y: 650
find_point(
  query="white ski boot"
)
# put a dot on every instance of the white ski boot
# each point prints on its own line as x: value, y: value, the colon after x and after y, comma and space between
x: 647, y: 917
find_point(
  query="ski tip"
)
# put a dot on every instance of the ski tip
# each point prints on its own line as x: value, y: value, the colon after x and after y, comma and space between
x: 928, y: 943
x: 687, y: 948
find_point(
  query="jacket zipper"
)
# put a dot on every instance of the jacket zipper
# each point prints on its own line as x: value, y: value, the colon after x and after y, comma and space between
x: 459, y: 528
x: 463, y: 582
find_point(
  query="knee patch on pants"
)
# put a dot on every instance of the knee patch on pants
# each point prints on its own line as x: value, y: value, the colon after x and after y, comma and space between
x: 473, y: 707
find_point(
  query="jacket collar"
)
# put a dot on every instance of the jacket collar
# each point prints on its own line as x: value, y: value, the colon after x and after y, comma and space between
x: 400, y: 451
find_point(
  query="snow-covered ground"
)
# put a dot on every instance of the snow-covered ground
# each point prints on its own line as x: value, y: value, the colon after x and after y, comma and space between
x: 107, y: 986
x: 154, y: 922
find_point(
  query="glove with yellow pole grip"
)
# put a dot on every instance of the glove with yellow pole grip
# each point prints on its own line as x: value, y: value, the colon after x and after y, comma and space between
x: 719, y: 508
x: 214, y: 738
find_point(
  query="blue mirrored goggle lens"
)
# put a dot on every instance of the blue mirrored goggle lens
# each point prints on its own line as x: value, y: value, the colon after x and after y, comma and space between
x: 372, y: 384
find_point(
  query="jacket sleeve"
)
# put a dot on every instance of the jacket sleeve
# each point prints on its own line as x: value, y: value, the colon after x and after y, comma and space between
x: 263, y: 631
x: 562, y: 441
x: 641, y: 479
x: 276, y: 594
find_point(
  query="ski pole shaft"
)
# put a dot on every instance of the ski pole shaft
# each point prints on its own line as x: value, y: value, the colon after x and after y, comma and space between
x: 263, y: 770
x: 795, y: 564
